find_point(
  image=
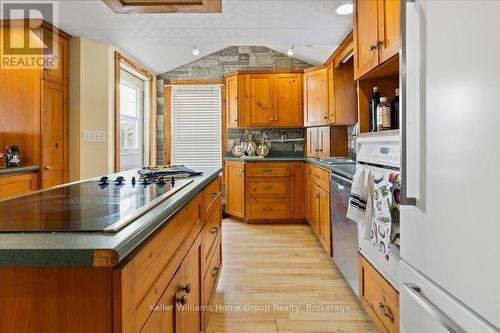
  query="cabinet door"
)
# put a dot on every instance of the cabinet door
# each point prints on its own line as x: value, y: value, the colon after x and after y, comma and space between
x: 260, y: 103
x: 235, y: 188
x: 316, y: 98
x: 315, y: 208
x: 56, y: 69
x: 308, y: 192
x: 331, y: 93
x: 288, y: 100
x: 388, y: 29
x: 190, y: 290
x: 54, y: 134
x: 232, y: 101
x: 324, y: 142
x: 297, y: 195
x: 345, y: 93
x: 365, y: 36
x: 324, y: 220
x: 312, y: 142
x: 166, y: 319
x: 12, y: 185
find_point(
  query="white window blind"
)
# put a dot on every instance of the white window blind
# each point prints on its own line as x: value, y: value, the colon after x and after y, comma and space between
x: 196, y: 126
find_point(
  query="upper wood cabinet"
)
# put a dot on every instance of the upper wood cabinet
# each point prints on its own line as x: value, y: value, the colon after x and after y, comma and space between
x: 264, y: 99
x: 56, y: 66
x: 316, y: 97
x: 376, y: 33
x: 288, y: 99
x: 259, y: 98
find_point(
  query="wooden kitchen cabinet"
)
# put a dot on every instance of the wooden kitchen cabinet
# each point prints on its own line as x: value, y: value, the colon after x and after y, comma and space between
x: 318, y: 197
x: 326, y: 141
x: 264, y: 99
x: 235, y: 188
x: 376, y: 33
x: 57, y: 64
x: 312, y: 142
x: 325, y: 235
x: 378, y: 297
x: 316, y: 97
x: 297, y: 194
x: 259, y: 100
x: 17, y: 184
x: 288, y: 99
x: 55, y: 134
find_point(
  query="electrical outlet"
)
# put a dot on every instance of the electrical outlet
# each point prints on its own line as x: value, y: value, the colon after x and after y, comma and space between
x: 94, y: 136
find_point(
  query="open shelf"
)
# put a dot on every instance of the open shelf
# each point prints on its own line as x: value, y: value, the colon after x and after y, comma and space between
x: 386, y: 78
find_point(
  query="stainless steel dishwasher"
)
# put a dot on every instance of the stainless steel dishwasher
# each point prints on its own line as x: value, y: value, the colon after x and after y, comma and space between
x: 344, y: 231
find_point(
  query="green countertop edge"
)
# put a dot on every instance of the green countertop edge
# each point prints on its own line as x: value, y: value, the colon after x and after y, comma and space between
x: 37, y: 256
x: 335, y: 169
x: 23, y: 169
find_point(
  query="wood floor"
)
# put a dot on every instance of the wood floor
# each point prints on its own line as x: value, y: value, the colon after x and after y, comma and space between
x: 271, y: 265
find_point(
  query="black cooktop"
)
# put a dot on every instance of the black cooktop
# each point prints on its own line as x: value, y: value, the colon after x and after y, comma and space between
x: 88, y: 206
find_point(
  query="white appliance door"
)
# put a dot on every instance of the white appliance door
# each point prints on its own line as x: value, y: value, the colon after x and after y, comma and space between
x: 452, y: 235
x: 431, y: 309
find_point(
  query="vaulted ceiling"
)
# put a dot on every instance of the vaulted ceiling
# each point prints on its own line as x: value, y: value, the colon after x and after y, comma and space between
x: 164, y: 41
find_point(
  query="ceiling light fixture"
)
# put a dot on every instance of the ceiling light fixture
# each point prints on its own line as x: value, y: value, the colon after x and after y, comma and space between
x: 196, y: 51
x: 291, y: 51
x: 344, y: 9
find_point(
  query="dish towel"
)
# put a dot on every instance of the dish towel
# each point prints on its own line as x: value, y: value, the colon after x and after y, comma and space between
x: 385, y: 220
x: 360, y: 203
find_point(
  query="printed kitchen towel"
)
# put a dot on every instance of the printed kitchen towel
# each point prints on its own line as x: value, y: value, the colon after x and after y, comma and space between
x: 385, y: 219
x: 360, y: 203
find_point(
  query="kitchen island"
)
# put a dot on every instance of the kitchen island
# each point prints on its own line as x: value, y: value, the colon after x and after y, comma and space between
x: 130, y: 280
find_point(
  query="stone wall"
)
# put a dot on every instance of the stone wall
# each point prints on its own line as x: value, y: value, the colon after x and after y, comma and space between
x: 213, y: 67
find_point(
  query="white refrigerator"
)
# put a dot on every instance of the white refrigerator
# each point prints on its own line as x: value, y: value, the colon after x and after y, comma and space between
x: 450, y: 132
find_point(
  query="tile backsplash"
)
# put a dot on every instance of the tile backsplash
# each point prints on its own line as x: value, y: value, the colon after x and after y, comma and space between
x: 269, y: 134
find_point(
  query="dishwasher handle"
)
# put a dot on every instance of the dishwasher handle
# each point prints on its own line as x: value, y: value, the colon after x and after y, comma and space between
x: 337, y: 180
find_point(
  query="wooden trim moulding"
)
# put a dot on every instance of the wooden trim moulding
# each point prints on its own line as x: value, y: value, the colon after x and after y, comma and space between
x: 162, y: 6
x: 192, y: 82
x: 120, y: 58
x: 167, y: 134
x: 265, y: 71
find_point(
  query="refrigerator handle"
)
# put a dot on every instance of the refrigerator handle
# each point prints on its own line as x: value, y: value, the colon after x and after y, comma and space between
x: 405, y: 200
x: 444, y: 320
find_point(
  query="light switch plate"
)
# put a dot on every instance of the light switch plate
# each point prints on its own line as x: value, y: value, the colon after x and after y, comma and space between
x: 94, y: 136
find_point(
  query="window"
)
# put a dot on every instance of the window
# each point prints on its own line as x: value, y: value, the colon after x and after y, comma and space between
x: 196, y: 126
x: 133, y: 124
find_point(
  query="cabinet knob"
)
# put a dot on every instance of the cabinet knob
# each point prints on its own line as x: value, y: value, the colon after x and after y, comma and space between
x: 182, y: 300
x: 379, y: 42
x: 47, y: 167
x: 187, y: 288
x: 385, y: 311
x: 325, y: 117
x: 373, y: 47
x: 214, y: 195
x: 214, y: 230
x: 215, y: 271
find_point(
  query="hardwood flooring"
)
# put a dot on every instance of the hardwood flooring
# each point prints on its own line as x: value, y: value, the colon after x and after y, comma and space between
x: 267, y: 266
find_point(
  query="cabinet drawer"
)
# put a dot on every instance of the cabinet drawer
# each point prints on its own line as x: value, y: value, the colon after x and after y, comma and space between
x: 211, y: 231
x: 320, y: 177
x: 144, y: 278
x: 267, y: 169
x: 212, y: 275
x: 210, y: 194
x: 268, y: 187
x: 268, y: 208
x: 13, y: 185
x: 378, y: 297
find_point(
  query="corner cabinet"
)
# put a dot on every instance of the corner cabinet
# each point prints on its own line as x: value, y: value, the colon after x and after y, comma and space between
x: 376, y: 34
x: 264, y: 99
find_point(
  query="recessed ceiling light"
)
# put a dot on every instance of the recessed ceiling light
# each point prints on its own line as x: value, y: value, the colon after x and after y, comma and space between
x: 291, y: 51
x: 196, y: 51
x: 344, y: 9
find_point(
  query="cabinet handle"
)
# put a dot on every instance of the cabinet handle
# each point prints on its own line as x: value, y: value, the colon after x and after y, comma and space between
x: 267, y: 170
x: 379, y: 43
x: 214, y: 195
x: 268, y: 209
x: 321, y: 150
x: 316, y: 195
x: 385, y: 311
x: 325, y: 117
x: 214, y: 230
x: 215, y: 271
x: 182, y: 300
x: 187, y: 288
x: 373, y: 47
x: 47, y: 167
x: 267, y: 187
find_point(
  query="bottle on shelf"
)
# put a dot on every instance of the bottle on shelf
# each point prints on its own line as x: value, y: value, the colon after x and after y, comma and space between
x: 383, y: 115
x: 395, y: 111
x: 373, y: 109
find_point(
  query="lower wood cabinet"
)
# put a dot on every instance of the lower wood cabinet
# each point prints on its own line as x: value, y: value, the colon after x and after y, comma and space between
x: 268, y: 190
x: 378, y: 297
x: 17, y: 184
x: 318, y: 205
